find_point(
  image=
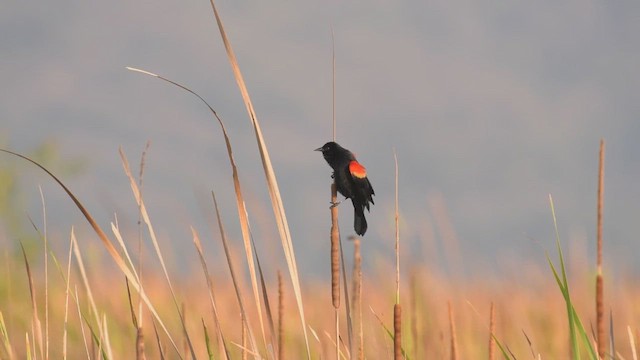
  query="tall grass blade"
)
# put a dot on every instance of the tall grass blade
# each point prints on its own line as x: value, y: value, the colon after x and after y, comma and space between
x: 140, y: 353
x: 632, y: 343
x: 81, y: 316
x: 145, y: 216
x: 274, y: 192
x: 46, y: 274
x: 612, y: 345
x: 159, y: 342
x: 6, y: 343
x: 240, y: 203
x: 214, y: 307
x: 389, y: 332
x: 107, y: 341
x: 28, y: 346
x: 100, y: 336
x: 234, y: 278
x: 105, y: 241
x: 207, y: 341
x: 265, y: 299
x: 67, y: 293
x: 36, y: 324
x: 575, y: 325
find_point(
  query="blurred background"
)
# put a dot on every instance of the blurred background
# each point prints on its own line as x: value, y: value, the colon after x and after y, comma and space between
x: 490, y: 106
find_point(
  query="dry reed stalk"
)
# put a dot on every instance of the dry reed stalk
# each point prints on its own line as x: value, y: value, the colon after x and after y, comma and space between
x: 356, y: 300
x: 397, y: 310
x: 224, y: 353
x: 396, y: 219
x: 84, y: 336
x: 46, y: 274
x: 136, y: 325
x: 397, y: 332
x: 492, y: 331
x: 601, y: 340
x: 632, y: 343
x: 87, y: 286
x: 234, y: 278
x: 129, y: 273
x: 452, y: 327
x: 185, y: 339
x: 66, y: 302
x: 28, y: 346
x: 35, y: 324
x: 140, y: 336
x: 272, y: 182
x: 240, y: 203
x: 161, y: 349
x: 347, y: 302
x: 265, y: 297
x: 152, y: 234
x: 280, y: 317
x: 6, y: 343
x: 107, y: 339
x: 333, y: 84
x: 244, y: 339
x: 357, y: 263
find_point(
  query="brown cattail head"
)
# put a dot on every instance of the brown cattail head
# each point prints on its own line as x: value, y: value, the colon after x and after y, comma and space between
x: 335, y: 250
x: 397, y: 332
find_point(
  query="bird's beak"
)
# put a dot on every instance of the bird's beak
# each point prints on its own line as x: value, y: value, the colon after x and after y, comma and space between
x: 318, y: 149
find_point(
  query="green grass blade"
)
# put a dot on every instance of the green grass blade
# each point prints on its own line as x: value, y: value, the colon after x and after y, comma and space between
x: 576, y: 331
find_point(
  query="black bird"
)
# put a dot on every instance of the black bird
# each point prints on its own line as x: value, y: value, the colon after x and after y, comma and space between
x: 351, y: 181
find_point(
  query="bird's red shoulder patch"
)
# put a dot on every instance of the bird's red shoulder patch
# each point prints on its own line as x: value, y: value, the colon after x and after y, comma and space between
x: 357, y: 170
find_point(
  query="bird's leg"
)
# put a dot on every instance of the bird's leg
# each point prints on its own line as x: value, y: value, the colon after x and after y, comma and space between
x: 334, y: 204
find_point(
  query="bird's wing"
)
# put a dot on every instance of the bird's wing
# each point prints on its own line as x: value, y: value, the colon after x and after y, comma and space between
x: 362, y: 186
x: 357, y: 171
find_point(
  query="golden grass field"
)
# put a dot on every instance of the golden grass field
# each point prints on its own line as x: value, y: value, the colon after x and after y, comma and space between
x: 98, y: 299
x: 527, y: 301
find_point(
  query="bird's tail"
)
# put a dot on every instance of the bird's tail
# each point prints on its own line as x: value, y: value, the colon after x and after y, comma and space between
x: 359, y: 221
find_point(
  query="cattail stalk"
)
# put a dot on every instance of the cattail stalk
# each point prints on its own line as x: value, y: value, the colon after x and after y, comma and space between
x: 397, y: 310
x: 492, y: 331
x: 356, y: 300
x: 599, y: 281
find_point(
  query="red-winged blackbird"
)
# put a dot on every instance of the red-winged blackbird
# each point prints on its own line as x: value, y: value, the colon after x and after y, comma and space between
x: 351, y: 181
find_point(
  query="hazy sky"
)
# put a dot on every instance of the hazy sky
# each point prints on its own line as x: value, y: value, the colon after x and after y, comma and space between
x: 490, y: 105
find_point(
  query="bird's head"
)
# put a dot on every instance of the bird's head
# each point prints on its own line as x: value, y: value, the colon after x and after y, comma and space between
x: 328, y: 148
x: 335, y: 154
